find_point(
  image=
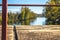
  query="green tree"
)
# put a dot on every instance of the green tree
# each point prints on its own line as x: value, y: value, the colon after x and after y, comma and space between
x: 12, y: 18
x: 52, y: 13
x: 0, y: 18
x: 25, y: 15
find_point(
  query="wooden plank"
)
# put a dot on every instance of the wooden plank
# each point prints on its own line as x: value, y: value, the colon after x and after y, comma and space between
x: 4, y: 19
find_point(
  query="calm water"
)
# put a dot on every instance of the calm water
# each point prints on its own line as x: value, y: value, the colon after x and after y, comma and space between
x: 36, y: 21
x: 39, y: 21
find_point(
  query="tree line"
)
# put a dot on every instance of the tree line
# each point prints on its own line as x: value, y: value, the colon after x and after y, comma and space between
x: 25, y: 15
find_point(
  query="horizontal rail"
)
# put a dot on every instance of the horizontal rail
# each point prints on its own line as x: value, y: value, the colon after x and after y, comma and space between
x: 31, y: 5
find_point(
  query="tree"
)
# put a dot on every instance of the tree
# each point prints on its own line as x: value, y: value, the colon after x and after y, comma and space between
x: 52, y: 13
x: 0, y: 18
x: 12, y: 18
x: 25, y: 15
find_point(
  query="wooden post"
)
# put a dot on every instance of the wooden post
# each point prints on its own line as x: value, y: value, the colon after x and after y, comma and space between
x: 4, y: 19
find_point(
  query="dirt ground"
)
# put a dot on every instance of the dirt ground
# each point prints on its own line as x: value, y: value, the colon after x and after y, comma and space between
x: 34, y: 32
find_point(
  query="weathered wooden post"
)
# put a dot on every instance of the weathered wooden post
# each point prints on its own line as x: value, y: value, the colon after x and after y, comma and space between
x: 4, y: 19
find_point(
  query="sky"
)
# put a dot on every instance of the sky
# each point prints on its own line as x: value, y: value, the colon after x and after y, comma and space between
x: 37, y: 10
x: 27, y: 1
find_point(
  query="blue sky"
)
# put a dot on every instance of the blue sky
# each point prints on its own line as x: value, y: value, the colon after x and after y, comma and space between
x: 35, y: 9
x: 27, y: 1
x: 0, y: 1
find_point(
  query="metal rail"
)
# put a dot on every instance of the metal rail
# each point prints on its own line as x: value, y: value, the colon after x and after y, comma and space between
x: 4, y: 20
x: 31, y: 5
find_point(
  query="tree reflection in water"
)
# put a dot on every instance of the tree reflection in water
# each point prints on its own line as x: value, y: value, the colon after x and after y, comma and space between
x: 27, y: 21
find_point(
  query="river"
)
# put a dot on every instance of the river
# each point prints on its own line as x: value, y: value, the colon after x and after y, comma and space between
x: 39, y: 21
x: 36, y: 21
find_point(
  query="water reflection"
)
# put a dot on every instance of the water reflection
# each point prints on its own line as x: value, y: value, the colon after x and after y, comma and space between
x: 27, y: 22
x: 33, y: 21
x: 39, y: 21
